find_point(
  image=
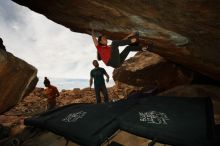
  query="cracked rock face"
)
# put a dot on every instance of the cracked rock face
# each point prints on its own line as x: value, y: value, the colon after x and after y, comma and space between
x: 185, y: 31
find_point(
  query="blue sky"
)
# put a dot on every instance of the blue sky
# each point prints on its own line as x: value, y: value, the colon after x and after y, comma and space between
x: 52, y: 48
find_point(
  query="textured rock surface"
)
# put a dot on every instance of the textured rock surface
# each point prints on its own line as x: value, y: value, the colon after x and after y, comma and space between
x: 149, y: 70
x: 17, y: 79
x: 126, y: 89
x: 184, y: 31
x: 198, y: 91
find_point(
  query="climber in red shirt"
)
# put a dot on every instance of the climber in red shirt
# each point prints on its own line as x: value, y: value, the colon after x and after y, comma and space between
x: 110, y: 54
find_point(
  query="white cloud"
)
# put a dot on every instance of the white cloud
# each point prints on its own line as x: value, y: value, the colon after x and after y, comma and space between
x: 53, y: 49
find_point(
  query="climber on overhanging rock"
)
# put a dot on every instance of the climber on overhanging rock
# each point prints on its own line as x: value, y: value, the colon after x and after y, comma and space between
x: 110, y: 54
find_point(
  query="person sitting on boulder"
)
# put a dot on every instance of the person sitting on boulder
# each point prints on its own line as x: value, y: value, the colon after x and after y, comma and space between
x: 51, y: 92
x: 110, y: 54
x: 2, y: 45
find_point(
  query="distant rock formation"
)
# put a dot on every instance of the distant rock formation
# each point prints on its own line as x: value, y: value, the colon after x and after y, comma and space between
x: 17, y: 79
x: 185, y: 32
x: 2, y: 45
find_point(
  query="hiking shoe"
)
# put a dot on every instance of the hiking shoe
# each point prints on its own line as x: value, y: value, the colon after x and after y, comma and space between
x: 136, y: 36
x: 148, y: 46
x: 144, y: 49
x: 151, y: 43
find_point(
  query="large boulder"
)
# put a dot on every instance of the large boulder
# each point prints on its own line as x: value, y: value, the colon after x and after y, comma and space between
x: 184, y: 31
x: 17, y: 79
x: 148, y: 70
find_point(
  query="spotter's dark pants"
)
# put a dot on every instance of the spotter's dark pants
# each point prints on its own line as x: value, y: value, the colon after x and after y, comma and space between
x: 104, y: 91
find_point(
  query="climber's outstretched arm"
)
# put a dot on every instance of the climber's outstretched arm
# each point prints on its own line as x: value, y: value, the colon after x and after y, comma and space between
x: 94, y: 38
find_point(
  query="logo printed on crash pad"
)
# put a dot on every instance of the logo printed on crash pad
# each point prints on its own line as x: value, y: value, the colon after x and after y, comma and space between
x: 73, y: 117
x: 154, y: 117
